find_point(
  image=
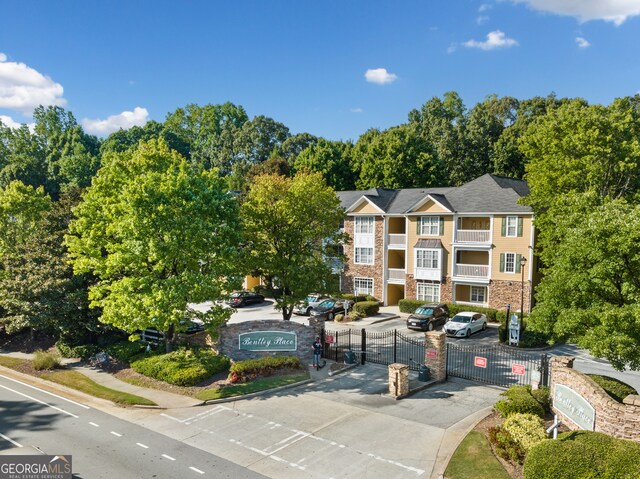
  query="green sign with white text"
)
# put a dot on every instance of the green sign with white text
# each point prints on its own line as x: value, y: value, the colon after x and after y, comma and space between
x: 574, y: 406
x: 268, y: 341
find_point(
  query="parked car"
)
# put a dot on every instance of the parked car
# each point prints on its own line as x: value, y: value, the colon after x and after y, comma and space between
x: 310, y: 302
x: 328, y: 309
x: 428, y: 317
x: 465, y: 324
x: 238, y: 299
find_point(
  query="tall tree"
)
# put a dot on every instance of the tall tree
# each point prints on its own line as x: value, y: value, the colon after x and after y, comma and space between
x: 332, y: 159
x: 292, y: 225
x: 158, y: 235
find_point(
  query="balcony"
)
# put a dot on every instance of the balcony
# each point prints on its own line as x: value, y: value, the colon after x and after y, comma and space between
x: 396, y: 241
x: 476, y: 271
x: 396, y: 275
x: 433, y: 274
x: 473, y: 236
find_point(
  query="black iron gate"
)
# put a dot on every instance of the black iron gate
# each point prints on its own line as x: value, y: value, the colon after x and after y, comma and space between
x: 496, y: 364
x: 376, y: 347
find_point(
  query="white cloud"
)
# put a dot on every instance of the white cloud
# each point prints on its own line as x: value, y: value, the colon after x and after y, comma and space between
x: 615, y: 11
x: 582, y: 42
x: 356, y: 110
x: 22, y: 88
x: 496, y: 39
x: 484, y: 7
x: 380, y: 76
x: 452, y: 48
x: 125, y: 120
x: 11, y: 123
x: 482, y: 19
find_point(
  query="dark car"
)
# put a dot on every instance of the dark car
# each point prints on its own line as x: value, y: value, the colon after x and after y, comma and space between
x: 428, y: 317
x: 328, y: 309
x: 238, y: 299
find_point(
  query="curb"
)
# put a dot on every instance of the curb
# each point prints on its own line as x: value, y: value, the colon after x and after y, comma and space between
x: 255, y: 394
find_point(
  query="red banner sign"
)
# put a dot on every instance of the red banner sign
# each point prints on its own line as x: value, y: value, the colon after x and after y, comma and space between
x: 517, y: 369
x: 432, y: 353
x: 480, y: 362
x: 328, y: 339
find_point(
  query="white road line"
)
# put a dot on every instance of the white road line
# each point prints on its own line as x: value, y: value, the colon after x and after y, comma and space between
x: 10, y: 440
x: 116, y: 434
x: 142, y: 445
x: 38, y: 401
x: 172, y: 418
x: 94, y: 424
x: 44, y: 391
x: 168, y: 457
x: 196, y: 470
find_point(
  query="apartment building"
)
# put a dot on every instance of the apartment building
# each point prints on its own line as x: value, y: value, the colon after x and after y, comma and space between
x: 471, y: 244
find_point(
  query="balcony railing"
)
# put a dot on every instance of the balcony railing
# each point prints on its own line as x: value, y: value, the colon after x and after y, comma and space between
x: 397, y: 240
x: 472, y: 270
x: 396, y: 275
x: 433, y: 274
x: 473, y: 236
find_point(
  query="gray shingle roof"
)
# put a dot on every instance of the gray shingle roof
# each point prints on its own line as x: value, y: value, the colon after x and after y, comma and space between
x: 486, y: 194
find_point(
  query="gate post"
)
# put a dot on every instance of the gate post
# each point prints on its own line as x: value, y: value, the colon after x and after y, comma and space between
x: 363, y: 355
x: 395, y: 345
x: 435, y: 354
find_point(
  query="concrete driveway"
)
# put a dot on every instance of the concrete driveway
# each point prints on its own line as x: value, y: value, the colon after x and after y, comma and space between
x: 345, y: 426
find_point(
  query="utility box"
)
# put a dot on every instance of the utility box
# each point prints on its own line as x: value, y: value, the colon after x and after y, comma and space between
x: 349, y: 357
x: 423, y: 373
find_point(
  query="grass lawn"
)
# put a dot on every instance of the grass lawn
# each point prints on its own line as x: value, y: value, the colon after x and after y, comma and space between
x: 77, y: 381
x: 251, y: 387
x: 474, y: 460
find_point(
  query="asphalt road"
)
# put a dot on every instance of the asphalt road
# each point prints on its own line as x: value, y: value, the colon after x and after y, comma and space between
x: 101, y: 445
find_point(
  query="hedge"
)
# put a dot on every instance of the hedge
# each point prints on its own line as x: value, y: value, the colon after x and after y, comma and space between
x: 82, y: 351
x: 493, y: 315
x: 522, y: 399
x: 368, y: 308
x: 613, y: 387
x: 184, y: 367
x: 243, y: 371
x: 125, y: 350
x: 583, y: 455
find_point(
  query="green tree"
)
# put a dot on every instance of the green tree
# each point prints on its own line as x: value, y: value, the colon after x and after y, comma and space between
x: 332, y: 159
x: 292, y: 225
x: 22, y: 158
x: 158, y: 235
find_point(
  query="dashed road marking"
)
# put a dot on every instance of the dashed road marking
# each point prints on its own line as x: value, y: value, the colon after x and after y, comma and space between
x: 94, y: 424
x: 142, y: 445
x: 196, y: 470
x: 117, y: 434
x: 169, y: 457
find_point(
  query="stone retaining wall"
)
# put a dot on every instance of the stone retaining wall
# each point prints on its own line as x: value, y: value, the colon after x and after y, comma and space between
x: 228, y: 343
x: 611, y: 417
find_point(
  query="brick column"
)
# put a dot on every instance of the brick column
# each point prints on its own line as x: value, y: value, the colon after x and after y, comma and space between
x: 398, y: 379
x: 435, y: 354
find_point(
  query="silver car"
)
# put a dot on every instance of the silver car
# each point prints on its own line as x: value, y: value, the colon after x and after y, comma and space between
x: 463, y: 325
x: 310, y: 302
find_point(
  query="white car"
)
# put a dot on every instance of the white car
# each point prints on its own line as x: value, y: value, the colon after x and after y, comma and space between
x: 463, y: 325
x: 310, y: 302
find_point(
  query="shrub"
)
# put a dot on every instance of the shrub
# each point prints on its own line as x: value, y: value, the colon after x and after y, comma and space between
x: 184, y: 367
x: 409, y: 305
x: 582, y: 455
x: 367, y: 308
x: 520, y: 400
x: 613, y: 387
x: 351, y: 297
x: 44, y: 360
x: 125, y: 350
x: 339, y: 318
x: 243, y: 371
x: 526, y: 429
x: 82, y: 351
x: 505, y: 445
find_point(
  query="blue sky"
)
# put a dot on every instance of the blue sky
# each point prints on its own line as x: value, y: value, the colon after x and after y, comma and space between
x: 305, y: 63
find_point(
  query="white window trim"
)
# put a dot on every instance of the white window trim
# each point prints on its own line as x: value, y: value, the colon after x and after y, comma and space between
x: 484, y: 295
x: 355, y: 256
x: 515, y: 231
x: 422, y: 225
x: 359, y: 278
x: 438, y: 252
x: 514, y: 263
x: 433, y: 285
x: 371, y: 236
x: 370, y: 219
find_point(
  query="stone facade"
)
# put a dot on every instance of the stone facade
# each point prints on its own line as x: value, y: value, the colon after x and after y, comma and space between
x: 502, y: 293
x: 398, y: 380
x: 374, y: 271
x: 611, y: 417
x: 229, y: 338
x: 411, y: 289
x: 435, y: 356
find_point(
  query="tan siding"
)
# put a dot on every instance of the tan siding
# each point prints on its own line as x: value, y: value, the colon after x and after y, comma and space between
x: 471, y: 223
x: 446, y: 239
x: 507, y: 244
x: 365, y: 208
x: 463, y: 292
x: 431, y: 207
x: 473, y: 257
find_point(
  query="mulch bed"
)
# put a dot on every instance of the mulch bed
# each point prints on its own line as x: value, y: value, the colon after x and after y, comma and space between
x: 22, y: 343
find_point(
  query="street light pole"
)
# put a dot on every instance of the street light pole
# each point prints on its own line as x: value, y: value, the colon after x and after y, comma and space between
x: 523, y: 261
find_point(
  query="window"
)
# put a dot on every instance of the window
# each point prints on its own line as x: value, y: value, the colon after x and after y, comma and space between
x: 512, y: 226
x: 429, y: 225
x: 364, y: 256
x: 428, y: 258
x: 509, y: 262
x: 364, y: 225
x: 478, y: 294
x: 428, y: 292
x: 363, y: 286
